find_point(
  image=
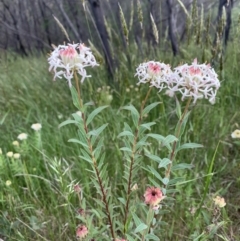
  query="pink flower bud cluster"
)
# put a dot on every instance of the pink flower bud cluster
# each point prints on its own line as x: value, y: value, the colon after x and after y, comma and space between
x: 65, y: 59
x: 196, y: 80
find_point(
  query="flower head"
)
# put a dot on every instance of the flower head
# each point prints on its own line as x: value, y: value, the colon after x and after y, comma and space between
x: 8, y: 183
x: 0, y: 151
x: 22, y: 136
x: 153, y: 196
x: 155, y: 73
x: 219, y: 201
x: 15, y: 143
x: 77, y: 188
x: 117, y: 239
x: 9, y: 154
x: 16, y: 155
x: 36, y: 126
x: 195, y: 80
x: 236, y: 134
x: 65, y: 59
x: 81, y: 231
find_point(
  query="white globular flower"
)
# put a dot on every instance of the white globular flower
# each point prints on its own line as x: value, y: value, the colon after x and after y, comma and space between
x: 22, y: 136
x: 155, y: 73
x: 9, y: 154
x: 236, y: 134
x: 65, y: 59
x: 15, y: 143
x: 16, y: 155
x: 195, y: 80
x: 36, y: 126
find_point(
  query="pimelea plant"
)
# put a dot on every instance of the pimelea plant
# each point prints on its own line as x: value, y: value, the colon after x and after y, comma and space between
x: 130, y: 216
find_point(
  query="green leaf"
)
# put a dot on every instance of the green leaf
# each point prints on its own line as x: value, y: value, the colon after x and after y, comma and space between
x: 94, y: 113
x: 182, y: 125
x: 188, y: 146
x: 125, y: 133
x: 140, y: 228
x: 122, y: 200
x: 154, y: 158
x: 134, y: 112
x: 98, y: 131
x: 145, y: 126
x: 126, y: 149
x: 151, y: 236
x: 182, y: 166
x: 175, y: 181
x: 165, y: 180
x: 164, y: 163
x: 75, y: 99
x: 67, y: 122
x: 170, y: 138
x: 137, y: 220
x: 149, y: 107
x: 154, y: 183
x: 178, y: 109
x: 156, y: 174
x: 77, y: 117
x: 79, y: 142
x: 158, y: 137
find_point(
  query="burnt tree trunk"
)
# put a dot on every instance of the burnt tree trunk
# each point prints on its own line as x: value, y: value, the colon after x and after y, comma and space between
x: 101, y: 28
x: 171, y: 28
x: 228, y: 7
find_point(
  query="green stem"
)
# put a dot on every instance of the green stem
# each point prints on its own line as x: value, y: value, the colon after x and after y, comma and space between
x: 94, y: 163
x: 132, y: 160
x: 78, y: 90
x: 172, y: 155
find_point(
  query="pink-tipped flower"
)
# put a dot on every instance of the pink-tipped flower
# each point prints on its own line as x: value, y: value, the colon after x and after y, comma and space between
x: 77, y: 188
x: 120, y: 239
x: 65, y: 59
x: 196, y: 80
x: 155, y: 73
x: 81, y: 231
x: 153, y: 196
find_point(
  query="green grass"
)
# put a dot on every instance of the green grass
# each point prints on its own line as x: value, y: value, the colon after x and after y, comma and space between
x: 40, y: 204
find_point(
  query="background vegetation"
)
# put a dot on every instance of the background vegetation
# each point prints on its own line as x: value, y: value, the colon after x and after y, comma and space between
x: 40, y: 203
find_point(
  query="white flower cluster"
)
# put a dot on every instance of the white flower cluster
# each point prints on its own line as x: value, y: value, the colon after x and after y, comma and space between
x: 65, y: 59
x: 155, y: 73
x: 195, y: 80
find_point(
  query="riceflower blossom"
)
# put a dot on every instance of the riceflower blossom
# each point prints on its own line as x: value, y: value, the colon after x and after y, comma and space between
x: 22, y: 136
x: 36, y: 126
x: 153, y: 196
x: 81, y: 231
x: 195, y: 80
x: 219, y: 201
x: 236, y: 134
x: 155, y: 73
x: 65, y: 59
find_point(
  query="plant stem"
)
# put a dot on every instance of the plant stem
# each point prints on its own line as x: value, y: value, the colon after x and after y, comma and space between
x: 78, y: 89
x: 95, y: 166
x: 172, y: 155
x: 132, y: 160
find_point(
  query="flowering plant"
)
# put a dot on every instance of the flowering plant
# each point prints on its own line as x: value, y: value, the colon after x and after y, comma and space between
x: 129, y: 216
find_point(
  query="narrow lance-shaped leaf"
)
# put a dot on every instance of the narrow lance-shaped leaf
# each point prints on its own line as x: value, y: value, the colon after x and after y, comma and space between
x: 189, y: 145
x: 98, y: 131
x: 134, y: 112
x: 94, y: 113
x: 75, y: 97
x: 149, y: 107
x: 67, y: 122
